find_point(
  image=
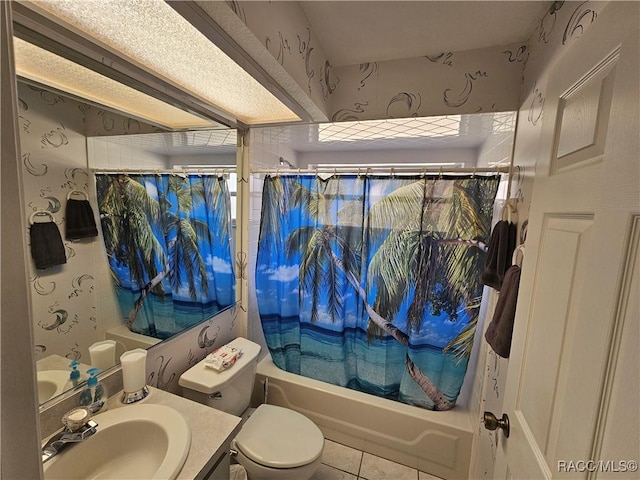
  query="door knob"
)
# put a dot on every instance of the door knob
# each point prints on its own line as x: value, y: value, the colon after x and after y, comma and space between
x: 491, y: 422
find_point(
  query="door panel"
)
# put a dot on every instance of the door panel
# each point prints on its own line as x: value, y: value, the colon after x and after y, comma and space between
x: 618, y: 428
x: 565, y: 241
x: 583, y: 116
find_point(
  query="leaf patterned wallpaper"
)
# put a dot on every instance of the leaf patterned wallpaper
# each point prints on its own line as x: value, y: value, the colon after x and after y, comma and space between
x: 484, y: 80
x: 474, y: 81
x: 54, y: 161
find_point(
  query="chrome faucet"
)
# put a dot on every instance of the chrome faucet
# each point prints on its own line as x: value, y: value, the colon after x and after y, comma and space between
x: 77, y: 428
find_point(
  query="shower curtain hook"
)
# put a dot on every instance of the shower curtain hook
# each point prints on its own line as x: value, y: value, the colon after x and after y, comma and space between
x: 393, y: 172
x: 475, y: 169
x: 440, y: 174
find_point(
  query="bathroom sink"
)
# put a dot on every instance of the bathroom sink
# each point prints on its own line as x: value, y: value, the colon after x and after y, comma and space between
x: 51, y: 383
x: 132, y: 442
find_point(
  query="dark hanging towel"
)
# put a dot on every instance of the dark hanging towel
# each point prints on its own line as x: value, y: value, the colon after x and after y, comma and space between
x: 79, y: 220
x: 500, y: 330
x: 47, y: 249
x: 499, y: 253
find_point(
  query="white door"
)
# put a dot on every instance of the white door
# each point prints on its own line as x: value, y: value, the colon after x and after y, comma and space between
x: 572, y: 386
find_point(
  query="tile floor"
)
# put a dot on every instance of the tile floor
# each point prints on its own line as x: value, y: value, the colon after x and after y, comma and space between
x: 340, y: 462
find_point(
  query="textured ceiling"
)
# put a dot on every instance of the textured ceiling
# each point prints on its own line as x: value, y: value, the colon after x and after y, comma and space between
x: 153, y: 35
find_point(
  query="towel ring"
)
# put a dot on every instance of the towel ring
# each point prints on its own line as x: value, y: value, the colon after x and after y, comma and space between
x: 509, y: 207
x: 514, y: 258
x: 77, y: 192
x: 40, y: 212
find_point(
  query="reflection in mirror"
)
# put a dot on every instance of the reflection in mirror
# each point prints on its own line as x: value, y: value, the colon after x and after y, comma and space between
x: 74, y: 303
x: 167, y: 238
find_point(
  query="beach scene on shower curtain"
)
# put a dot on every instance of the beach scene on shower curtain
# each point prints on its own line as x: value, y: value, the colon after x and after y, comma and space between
x: 167, y: 239
x: 373, y: 282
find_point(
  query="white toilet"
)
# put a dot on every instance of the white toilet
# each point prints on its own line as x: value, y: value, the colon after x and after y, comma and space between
x: 274, y: 443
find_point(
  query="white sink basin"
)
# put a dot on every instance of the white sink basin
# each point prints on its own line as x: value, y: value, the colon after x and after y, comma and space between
x: 51, y: 383
x: 133, y: 442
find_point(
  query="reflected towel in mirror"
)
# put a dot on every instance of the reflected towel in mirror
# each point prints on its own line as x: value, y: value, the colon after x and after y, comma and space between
x: 79, y: 220
x: 47, y: 249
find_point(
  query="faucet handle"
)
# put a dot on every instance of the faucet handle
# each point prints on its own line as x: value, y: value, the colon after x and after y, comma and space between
x: 76, y: 418
x: 89, y: 429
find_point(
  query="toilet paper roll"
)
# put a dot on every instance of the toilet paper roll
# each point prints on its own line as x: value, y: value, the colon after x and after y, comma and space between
x: 103, y: 354
x: 134, y: 370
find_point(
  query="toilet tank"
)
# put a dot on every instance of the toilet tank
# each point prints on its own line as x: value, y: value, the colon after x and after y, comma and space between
x: 229, y: 390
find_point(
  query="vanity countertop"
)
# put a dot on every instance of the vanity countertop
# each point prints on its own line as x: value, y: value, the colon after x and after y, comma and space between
x: 58, y: 362
x: 211, y: 429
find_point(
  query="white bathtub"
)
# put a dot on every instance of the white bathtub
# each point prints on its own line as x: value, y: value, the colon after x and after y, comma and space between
x: 438, y: 443
x: 127, y: 340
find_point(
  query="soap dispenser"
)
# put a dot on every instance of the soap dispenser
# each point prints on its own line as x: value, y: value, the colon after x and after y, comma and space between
x: 74, y: 376
x: 94, y: 396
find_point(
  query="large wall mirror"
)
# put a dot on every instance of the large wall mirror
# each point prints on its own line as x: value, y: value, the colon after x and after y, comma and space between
x: 97, y: 128
x: 71, y: 150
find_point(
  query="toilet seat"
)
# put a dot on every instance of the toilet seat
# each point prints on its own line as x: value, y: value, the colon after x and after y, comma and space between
x: 277, y: 437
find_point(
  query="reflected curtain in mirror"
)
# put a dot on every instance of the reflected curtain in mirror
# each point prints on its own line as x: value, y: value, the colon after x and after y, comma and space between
x: 168, y: 241
x: 373, y: 283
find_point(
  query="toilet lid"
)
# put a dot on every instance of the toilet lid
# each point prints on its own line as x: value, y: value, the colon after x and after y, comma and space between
x: 278, y: 437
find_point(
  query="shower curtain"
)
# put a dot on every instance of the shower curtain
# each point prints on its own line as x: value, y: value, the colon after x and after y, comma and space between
x: 372, y: 282
x: 167, y: 238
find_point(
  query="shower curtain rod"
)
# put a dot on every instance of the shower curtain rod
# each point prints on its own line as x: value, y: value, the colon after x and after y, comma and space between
x: 176, y: 171
x: 388, y: 170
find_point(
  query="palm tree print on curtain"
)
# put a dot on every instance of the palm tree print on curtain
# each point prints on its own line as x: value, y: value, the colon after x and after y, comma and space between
x: 167, y: 238
x: 373, y: 282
